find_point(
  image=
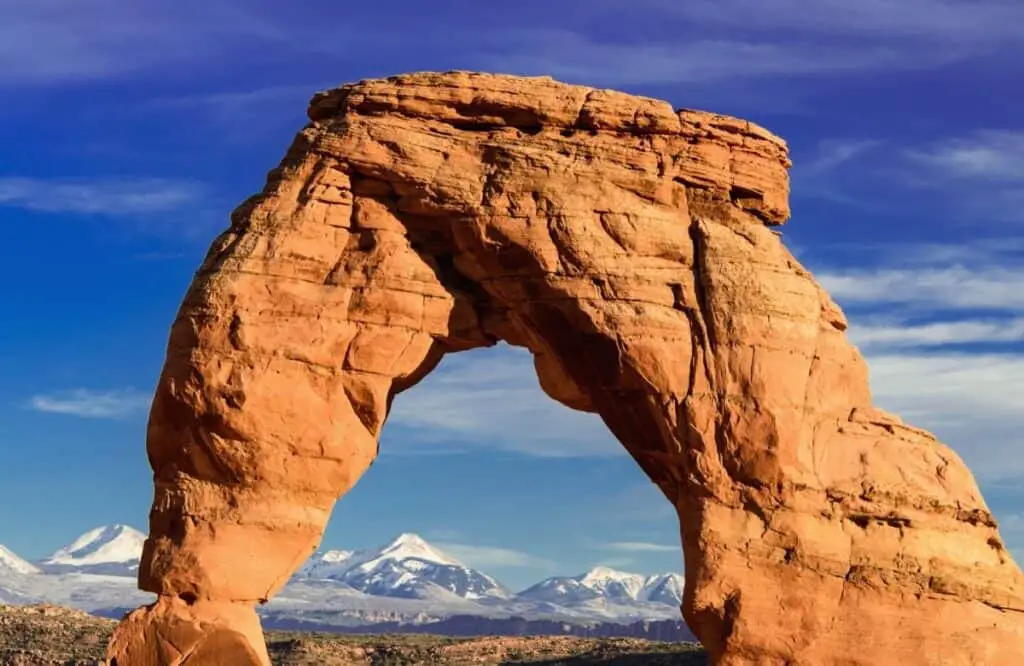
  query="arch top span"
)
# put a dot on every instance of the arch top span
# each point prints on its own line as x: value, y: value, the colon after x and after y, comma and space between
x: 630, y: 247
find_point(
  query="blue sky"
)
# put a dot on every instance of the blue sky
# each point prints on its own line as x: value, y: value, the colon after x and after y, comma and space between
x: 130, y: 130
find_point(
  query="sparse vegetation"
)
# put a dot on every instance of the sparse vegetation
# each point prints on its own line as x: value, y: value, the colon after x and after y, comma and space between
x: 54, y: 636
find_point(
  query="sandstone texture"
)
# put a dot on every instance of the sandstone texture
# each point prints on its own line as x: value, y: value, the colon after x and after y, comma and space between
x: 632, y: 248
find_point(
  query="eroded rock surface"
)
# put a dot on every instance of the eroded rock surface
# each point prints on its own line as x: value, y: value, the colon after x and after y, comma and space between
x: 631, y: 247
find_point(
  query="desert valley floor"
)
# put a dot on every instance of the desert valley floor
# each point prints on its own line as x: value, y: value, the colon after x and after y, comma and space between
x: 55, y: 636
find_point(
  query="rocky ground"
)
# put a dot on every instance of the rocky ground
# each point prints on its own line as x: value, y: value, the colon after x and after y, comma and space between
x: 54, y: 636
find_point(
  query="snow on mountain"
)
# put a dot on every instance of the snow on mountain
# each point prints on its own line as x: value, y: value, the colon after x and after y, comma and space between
x: 11, y: 563
x: 408, y: 568
x: 110, y: 549
x: 412, y: 546
x: 408, y: 580
x: 664, y: 589
x: 328, y: 565
x: 613, y: 584
x: 608, y: 584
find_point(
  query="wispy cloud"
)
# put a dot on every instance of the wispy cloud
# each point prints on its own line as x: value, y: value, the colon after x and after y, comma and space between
x: 933, y: 287
x: 895, y: 333
x: 980, y: 252
x: 715, y: 40
x: 730, y: 39
x: 228, y: 104
x: 86, y: 403
x: 980, y: 174
x: 989, y: 155
x: 976, y: 176
x: 576, y: 57
x: 99, y: 196
x: 492, y: 400
x: 820, y: 173
x: 239, y: 115
x: 490, y: 556
x: 640, y: 547
x: 834, y: 153
x: 98, y: 39
x: 951, y: 388
x: 975, y: 23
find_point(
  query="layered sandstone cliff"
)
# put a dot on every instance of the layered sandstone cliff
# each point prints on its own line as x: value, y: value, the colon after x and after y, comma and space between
x: 630, y: 247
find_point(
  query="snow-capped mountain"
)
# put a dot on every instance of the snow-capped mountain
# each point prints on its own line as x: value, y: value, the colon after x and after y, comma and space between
x: 664, y: 589
x: 111, y: 549
x: 605, y: 583
x: 12, y: 564
x: 326, y: 565
x: 408, y: 581
x: 408, y: 568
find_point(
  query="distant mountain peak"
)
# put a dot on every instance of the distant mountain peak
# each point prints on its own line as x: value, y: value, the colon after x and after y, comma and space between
x: 611, y: 584
x: 107, y: 544
x: 406, y: 567
x: 335, y: 556
x: 412, y: 546
x: 10, y: 562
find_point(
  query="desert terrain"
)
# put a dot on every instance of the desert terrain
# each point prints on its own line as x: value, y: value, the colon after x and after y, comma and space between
x: 56, y: 636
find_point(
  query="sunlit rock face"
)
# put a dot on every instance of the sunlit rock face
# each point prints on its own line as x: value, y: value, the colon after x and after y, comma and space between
x: 631, y: 248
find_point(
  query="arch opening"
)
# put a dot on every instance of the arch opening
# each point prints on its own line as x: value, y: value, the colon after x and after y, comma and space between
x: 636, y: 260
x: 490, y: 470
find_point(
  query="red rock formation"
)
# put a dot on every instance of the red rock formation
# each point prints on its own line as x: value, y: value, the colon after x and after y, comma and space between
x: 631, y: 248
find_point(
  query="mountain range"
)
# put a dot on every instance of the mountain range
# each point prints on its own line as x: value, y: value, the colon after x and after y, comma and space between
x: 408, y: 568
x: 406, y: 582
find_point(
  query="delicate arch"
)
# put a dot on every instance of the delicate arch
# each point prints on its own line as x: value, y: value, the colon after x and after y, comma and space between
x: 630, y: 248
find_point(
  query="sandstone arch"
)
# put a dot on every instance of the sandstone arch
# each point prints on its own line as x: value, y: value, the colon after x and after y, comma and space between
x: 630, y: 248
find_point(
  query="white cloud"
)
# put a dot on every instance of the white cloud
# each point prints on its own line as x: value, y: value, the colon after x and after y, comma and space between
x: 996, y: 155
x: 932, y: 287
x: 978, y: 176
x: 99, y: 196
x: 491, y: 399
x: 945, y: 388
x: 85, y: 403
x: 61, y: 41
x: 481, y: 557
x: 641, y: 547
x: 895, y: 334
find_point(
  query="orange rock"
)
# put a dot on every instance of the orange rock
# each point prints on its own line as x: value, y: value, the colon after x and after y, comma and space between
x: 630, y: 248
